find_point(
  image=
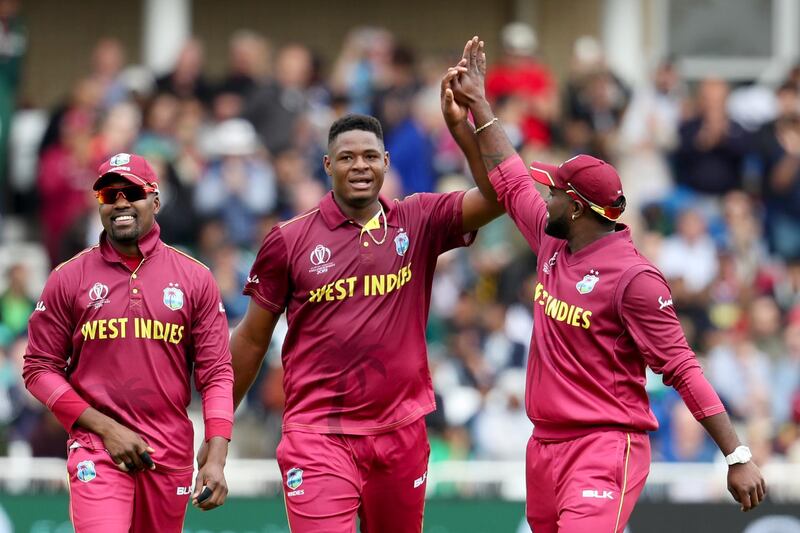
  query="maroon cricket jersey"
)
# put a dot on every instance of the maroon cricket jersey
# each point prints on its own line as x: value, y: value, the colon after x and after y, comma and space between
x: 127, y: 342
x: 601, y: 315
x: 355, y: 358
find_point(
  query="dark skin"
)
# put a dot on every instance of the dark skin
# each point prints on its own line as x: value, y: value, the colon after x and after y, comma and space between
x: 569, y: 219
x: 125, y: 223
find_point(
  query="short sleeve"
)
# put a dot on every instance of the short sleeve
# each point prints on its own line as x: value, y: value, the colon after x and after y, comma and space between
x: 445, y: 220
x: 268, y: 283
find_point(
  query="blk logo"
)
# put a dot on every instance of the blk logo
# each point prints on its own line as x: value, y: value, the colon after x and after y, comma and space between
x: 605, y: 495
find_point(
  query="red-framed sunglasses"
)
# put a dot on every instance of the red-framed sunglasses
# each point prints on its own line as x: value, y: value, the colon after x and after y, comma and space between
x: 132, y: 193
x: 611, y: 213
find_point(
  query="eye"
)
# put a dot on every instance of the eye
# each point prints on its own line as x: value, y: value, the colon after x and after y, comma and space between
x: 372, y: 157
x: 346, y: 157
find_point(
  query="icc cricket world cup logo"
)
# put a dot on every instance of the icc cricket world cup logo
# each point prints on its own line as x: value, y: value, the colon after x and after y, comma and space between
x: 320, y: 258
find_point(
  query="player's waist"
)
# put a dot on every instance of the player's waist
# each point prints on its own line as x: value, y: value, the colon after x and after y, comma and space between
x: 556, y: 431
x: 326, y: 423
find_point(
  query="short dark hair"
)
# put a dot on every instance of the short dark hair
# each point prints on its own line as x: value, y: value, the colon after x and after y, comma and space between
x: 355, y: 122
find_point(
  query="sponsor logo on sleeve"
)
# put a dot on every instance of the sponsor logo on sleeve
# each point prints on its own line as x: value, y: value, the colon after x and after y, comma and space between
x: 98, y: 295
x: 86, y: 471
x: 548, y: 266
x: 662, y: 303
x: 253, y: 279
x: 294, y: 478
x: 173, y: 297
x: 586, y: 285
x: 40, y: 306
x: 401, y: 243
x: 320, y: 257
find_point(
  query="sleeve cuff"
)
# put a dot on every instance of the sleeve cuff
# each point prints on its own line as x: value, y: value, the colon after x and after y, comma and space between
x: 218, y: 427
x: 68, y: 408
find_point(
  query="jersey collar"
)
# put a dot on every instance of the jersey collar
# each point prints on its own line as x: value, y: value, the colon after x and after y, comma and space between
x: 333, y: 216
x: 148, y: 245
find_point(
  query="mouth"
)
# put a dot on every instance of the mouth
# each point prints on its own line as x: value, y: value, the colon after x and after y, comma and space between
x: 123, y: 220
x: 361, y: 183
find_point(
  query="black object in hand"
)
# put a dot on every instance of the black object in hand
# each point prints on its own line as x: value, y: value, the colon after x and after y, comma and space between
x: 204, y: 494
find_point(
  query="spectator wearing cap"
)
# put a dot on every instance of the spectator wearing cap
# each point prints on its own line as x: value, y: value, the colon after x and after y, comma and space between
x: 239, y: 185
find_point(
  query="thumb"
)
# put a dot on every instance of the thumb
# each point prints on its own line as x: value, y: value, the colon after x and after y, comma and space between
x: 199, y: 482
x: 448, y: 95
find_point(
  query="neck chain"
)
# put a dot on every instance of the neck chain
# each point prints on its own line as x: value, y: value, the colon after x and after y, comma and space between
x: 378, y: 215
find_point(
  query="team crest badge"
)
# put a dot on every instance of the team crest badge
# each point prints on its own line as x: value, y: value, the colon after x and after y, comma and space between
x: 401, y: 243
x: 586, y: 285
x: 119, y: 160
x: 173, y: 297
x: 294, y: 478
x: 86, y: 471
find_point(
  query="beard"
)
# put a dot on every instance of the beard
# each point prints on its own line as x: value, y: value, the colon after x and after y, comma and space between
x: 126, y: 235
x: 558, y: 227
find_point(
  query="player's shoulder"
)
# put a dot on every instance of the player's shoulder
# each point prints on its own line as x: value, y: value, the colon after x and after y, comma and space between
x: 298, y: 223
x: 77, y: 262
x: 185, y: 260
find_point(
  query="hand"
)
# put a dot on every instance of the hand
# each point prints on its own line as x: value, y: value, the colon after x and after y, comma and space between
x: 128, y: 450
x: 211, y: 465
x: 468, y: 87
x: 454, y: 113
x: 746, y: 485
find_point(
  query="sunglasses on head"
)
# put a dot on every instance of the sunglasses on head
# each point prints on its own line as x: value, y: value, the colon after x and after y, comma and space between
x: 132, y: 193
x: 611, y: 213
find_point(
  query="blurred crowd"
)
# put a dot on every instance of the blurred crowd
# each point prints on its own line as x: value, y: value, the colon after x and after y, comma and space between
x: 711, y: 173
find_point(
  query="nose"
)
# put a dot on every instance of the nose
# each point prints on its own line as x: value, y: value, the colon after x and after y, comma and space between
x: 360, y: 162
x: 121, y: 200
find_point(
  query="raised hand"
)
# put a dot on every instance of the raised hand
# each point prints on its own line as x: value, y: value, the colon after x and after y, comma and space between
x: 454, y: 113
x: 469, y: 86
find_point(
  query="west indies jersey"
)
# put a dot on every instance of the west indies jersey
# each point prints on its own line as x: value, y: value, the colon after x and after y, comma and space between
x: 601, y: 315
x: 127, y: 342
x: 356, y: 301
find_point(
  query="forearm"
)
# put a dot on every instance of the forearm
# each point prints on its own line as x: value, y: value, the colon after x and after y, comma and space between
x: 96, y: 422
x: 720, y: 429
x: 492, y: 140
x: 218, y: 450
x: 465, y: 137
x: 247, y: 359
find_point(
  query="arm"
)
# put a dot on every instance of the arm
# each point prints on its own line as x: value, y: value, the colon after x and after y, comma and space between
x: 249, y: 344
x: 479, y: 206
x: 649, y: 316
x: 214, y: 381
x: 44, y: 371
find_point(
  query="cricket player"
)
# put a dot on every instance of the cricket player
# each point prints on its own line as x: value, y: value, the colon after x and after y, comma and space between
x: 354, y: 277
x: 602, y: 313
x: 113, y: 343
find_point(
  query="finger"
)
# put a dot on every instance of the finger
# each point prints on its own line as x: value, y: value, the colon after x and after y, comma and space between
x: 122, y: 466
x: 462, y: 62
x: 204, y: 495
x: 473, y: 53
x: 133, y: 458
x: 481, y: 58
x: 734, y: 494
x: 147, y: 460
x: 745, y: 500
x: 448, y: 95
x: 465, y: 54
x: 754, y: 497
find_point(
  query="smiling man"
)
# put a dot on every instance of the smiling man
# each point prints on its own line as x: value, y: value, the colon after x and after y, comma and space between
x: 354, y: 276
x: 113, y: 343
